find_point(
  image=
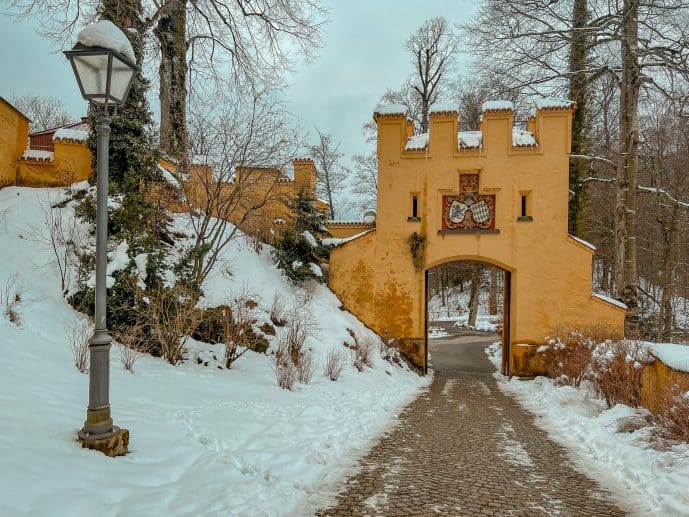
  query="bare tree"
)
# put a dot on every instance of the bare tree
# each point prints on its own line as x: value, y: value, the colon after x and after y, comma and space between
x: 246, y: 42
x: 234, y: 183
x: 433, y: 48
x: 44, y: 112
x: 332, y: 173
x: 366, y: 179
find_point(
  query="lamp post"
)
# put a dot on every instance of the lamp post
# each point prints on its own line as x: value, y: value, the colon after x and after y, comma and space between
x: 104, y: 77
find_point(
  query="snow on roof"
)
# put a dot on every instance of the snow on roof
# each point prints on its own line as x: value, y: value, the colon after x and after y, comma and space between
x: 469, y: 139
x: 332, y: 241
x: 472, y: 140
x: 71, y: 134
x: 554, y: 103
x: 417, y: 142
x: 583, y: 242
x: 445, y: 107
x: 346, y: 222
x: 392, y: 109
x: 34, y: 154
x: 497, y: 106
x: 609, y: 300
x: 521, y: 138
x: 673, y: 355
x: 106, y: 34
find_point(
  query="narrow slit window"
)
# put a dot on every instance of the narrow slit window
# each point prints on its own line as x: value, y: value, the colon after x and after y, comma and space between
x: 524, y: 214
x: 414, y: 207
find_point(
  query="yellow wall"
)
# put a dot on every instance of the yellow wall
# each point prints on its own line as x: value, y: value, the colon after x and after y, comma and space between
x: 72, y: 162
x: 14, y: 134
x: 659, y: 382
x: 255, y: 200
x: 375, y: 275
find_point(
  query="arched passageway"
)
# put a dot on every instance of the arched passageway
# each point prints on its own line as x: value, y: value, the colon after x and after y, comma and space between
x: 467, y: 307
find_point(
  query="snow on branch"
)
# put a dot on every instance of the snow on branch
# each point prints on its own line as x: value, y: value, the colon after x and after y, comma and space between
x: 593, y: 159
x: 665, y: 194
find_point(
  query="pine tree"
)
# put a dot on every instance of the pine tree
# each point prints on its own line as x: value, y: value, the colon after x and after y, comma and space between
x: 299, y: 250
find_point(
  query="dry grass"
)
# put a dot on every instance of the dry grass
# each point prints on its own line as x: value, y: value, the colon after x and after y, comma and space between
x: 306, y: 367
x: 569, y: 355
x: 172, y: 318
x: 671, y: 417
x: 278, y: 311
x: 334, y: 364
x: 134, y: 346
x: 616, y: 371
x: 285, y: 371
x: 78, y: 339
x: 10, y: 298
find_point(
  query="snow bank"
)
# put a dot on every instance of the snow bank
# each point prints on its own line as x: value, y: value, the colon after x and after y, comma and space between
x: 106, y: 34
x: 673, y: 355
x: 645, y: 481
x: 204, y: 440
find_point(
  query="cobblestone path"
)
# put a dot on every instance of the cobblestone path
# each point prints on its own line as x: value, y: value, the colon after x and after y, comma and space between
x: 464, y: 448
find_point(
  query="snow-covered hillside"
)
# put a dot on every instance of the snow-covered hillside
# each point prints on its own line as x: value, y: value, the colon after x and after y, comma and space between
x: 204, y: 440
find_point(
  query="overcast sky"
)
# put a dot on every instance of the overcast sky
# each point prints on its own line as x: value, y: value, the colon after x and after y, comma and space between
x: 362, y: 54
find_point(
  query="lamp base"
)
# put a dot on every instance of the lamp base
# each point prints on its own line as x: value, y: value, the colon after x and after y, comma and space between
x: 115, y: 443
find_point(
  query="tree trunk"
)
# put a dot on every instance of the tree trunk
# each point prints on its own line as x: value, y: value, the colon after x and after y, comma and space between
x: 578, y: 92
x: 171, y: 34
x: 666, y: 313
x: 476, y: 277
x: 604, y: 275
x: 627, y: 169
x: 493, y: 293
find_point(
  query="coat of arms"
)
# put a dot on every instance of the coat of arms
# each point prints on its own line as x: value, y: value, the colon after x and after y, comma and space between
x: 469, y: 210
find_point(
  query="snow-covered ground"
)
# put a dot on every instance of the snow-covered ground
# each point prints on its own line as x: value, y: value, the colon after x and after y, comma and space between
x: 457, y: 310
x: 204, y: 440
x: 611, y: 446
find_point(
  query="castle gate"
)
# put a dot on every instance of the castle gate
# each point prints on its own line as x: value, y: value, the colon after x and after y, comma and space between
x: 497, y: 196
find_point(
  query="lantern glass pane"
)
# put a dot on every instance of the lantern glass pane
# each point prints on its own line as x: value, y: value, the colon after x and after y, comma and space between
x: 122, y: 74
x: 93, y: 73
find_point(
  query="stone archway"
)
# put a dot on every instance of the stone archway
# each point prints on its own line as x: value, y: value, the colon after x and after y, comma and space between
x: 498, y: 196
x: 453, y: 314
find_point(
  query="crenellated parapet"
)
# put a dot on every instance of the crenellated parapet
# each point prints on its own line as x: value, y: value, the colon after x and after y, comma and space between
x: 548, y: 129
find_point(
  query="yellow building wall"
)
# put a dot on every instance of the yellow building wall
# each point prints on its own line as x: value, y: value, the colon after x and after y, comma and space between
x: 14, y: 134
x: 256, y: 200
x: 375, y: 275
x: 72, y: 162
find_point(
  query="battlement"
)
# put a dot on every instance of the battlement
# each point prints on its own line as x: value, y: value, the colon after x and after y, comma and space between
x: 548, y: 130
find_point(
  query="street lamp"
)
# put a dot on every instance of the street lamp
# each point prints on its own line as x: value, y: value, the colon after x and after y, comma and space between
x: 104, y: 76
